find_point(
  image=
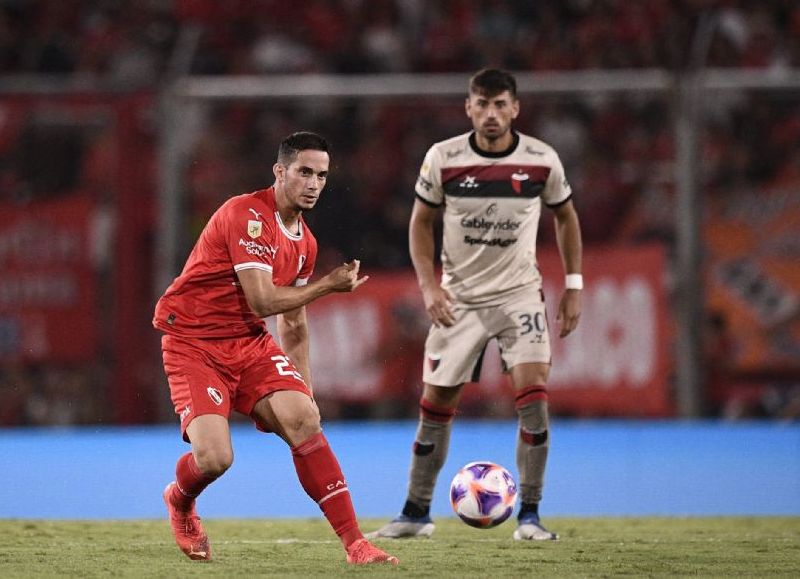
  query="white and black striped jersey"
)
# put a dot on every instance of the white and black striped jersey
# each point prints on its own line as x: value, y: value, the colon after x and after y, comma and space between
x: 492, y: 203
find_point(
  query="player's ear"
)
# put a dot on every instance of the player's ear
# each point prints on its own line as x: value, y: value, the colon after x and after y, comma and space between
x: 279, y: 171
x: 514, y: 108
x: 466, y: 107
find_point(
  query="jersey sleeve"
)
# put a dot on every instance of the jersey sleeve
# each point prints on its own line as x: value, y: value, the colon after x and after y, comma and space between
x: 250, y: 239
x: 429, y: 182
x: 557, y: 190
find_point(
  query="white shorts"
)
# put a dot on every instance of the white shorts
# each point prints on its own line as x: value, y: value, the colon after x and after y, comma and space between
x: 453, y: 355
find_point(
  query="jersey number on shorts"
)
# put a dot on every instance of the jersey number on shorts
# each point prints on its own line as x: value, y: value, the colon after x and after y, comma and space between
x: 283, y: 365
x: 530, y: 323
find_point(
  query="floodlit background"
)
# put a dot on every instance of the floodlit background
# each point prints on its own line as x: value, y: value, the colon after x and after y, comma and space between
x: 124, y: 125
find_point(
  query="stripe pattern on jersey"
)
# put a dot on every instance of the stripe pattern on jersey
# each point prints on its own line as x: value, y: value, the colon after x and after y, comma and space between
x: 526, y: 181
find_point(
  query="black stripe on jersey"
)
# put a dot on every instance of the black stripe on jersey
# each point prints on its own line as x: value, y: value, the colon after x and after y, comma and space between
x: 528, y: 189
x: 560, y: 203
x: 428, y: 203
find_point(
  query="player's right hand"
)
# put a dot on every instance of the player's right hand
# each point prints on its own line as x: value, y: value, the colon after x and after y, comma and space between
x: 439, y: 305
x: 345, y: 277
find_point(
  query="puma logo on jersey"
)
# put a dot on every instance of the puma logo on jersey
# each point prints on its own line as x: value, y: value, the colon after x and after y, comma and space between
x: 256, y: 213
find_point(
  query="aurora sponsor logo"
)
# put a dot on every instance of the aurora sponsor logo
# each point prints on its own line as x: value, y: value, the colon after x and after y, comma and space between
x: 496, y: 242
x: 488, y: 224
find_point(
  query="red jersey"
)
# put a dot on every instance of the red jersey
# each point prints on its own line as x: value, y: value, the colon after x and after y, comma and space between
x: 206, y: 299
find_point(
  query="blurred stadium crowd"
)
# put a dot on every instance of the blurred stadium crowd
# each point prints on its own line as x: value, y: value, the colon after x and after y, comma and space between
x: 134, y: 41
x: 624, y: 186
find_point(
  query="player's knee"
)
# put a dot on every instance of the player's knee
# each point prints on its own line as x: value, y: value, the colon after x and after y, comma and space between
x: 534, y: 373
x: 442, y: 397
x: 214, y: 462
x: 304, y: 424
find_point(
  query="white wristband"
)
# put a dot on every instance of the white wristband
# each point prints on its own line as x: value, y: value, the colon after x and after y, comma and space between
x: 573, y: 281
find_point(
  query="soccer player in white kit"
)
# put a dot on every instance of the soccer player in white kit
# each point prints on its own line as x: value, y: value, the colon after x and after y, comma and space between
x: 491, y: 183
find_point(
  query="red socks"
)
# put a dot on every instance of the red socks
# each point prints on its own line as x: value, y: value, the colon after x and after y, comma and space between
x: 319, y: 473
x: 190, y: 482
x: 322, y: 479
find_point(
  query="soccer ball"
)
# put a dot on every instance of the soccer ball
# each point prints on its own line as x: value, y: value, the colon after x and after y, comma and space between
x: 483, y: 494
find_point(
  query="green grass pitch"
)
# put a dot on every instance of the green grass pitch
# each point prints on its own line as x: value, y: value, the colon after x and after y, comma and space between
x: 589, y: 547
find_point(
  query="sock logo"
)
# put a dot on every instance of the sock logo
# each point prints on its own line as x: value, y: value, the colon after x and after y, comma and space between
x: 215, y: 395
x: 423, y: 448
x: 533, y: 438
x: 336, y: 485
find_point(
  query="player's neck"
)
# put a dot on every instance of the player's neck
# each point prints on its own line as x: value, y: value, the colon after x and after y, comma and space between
x: 289, y: 215
x: 498, y: 145
x: 290, y: 220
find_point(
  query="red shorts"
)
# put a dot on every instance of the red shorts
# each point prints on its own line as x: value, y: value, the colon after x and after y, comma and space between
x: 217, y: 376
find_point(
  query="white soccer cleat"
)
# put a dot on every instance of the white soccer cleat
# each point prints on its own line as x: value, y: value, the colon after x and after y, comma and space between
x: 404, y: 527
x: 531, y: 529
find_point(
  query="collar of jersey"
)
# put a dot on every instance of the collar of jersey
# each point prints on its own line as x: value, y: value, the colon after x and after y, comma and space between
x: 473, y: 143
x: 288, y: 233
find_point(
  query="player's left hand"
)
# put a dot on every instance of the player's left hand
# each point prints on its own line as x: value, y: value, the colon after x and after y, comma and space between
x: 569, y: 311
x: 345, y: 277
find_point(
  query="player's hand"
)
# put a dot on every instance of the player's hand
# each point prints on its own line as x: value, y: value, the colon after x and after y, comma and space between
x: 439, y: 305
x: 569, y: 311
x: 345, y: 277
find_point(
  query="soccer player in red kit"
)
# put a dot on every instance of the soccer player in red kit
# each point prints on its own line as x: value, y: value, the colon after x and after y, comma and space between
x: 254, y: 259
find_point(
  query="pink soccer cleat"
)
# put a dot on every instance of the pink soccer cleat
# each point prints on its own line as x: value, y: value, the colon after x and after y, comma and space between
x: 362, y: 552
x: 188, y: 532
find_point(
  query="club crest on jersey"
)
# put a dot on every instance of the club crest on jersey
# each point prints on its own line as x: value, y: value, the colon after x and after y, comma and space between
x: 516, y: 181
x: 253, y: 228
x: 215, y: 395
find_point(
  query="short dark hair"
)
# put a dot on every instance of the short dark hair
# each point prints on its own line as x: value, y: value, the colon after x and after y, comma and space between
x: 300, y: 141
x: 492, y: 81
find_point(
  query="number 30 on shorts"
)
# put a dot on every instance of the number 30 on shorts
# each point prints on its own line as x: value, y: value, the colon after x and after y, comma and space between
x: 530, y: 323
x: 284, y: 367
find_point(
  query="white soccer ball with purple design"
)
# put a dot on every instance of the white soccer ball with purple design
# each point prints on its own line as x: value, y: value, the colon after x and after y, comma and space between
x: 483, y: 494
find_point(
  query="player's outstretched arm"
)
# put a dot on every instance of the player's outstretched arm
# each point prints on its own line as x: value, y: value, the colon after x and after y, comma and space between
x: 267, y: 299
x: 568, y: 236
